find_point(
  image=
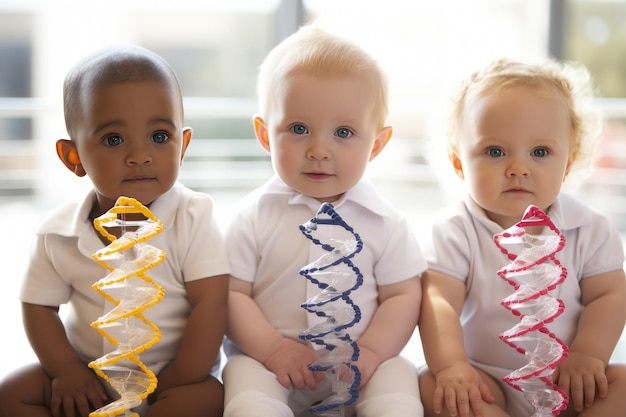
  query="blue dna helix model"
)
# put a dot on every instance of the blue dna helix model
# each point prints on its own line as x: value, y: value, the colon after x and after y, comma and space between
x: 337, y: 276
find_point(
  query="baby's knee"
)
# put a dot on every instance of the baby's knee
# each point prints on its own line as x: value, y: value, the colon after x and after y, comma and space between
x: 256, y: 404
x: 390, y: 405
x: 27, y: 385
x: 616, y: 378
x: 6, y: 396
x: 427, y: 383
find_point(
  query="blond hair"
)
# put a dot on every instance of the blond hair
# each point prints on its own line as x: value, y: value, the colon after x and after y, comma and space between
x: 570, y: 82
x: 313, y: 51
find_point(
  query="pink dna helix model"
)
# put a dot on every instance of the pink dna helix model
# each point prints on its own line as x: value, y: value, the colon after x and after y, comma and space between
x: 534, y: 272
x: 336, y: 276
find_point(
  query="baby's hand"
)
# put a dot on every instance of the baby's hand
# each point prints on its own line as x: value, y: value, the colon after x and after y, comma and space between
x: 289, y: 360
x: 461, y: 389
x: 76, y: 391
x: 367, y: 363
x: 581, y: 376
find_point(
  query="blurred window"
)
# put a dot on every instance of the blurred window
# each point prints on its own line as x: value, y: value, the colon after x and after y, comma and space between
x: 216, y: 47
x: 594, y: 33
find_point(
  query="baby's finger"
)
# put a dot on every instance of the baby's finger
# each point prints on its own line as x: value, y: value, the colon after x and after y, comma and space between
x: 438, y: 400
x: 68, y: 407
x: 463, y: 403
x: 96, y: 398
x: 602, y: 384
x: 297, y: 379
x: 319, y: 376
x: 310, y: 380
x: 564, y: 384
x: 450, y: 398
x: 476, y: 401
x: 589, y: 389
x: 55, y: 405
x: 283, y: 379
x: 82, y: 404
x: 577, y: 393
x: 485, y: 394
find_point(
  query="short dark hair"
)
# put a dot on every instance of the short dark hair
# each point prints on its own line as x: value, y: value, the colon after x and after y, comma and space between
x: 112, y: 65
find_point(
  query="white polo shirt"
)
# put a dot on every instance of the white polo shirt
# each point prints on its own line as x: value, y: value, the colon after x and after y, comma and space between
x: 266, y: 247
x: 463, y: 248
x: 62, y: 270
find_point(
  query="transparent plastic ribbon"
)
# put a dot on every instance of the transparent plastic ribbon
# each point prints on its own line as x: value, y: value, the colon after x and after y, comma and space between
x: 131, y: 291
x: 534, y: 272
x: 337, y: 276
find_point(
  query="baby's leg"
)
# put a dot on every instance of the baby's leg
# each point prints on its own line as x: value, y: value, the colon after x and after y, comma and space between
x: 26, y: 392
x: 203, y: 399
x: 251, y: 390
x: 392, y: 391
x: 427, y: 385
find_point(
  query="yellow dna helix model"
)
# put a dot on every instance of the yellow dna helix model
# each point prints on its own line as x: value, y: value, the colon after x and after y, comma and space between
x: 131, y: 291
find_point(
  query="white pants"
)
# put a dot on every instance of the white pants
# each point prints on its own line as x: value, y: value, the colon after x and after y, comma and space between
x: 251, y: 390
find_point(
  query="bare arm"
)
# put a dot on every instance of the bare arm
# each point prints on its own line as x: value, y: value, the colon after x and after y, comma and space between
x: 202, y: 336
x: 440, y: 328
x: 247, y: 326
x: 582, y: 373
x: 458, y: 385
x: 602, y: 321
x: 74, y: 385
x: 47, y: 337
x: 255, y: 336
x: 391, y: 326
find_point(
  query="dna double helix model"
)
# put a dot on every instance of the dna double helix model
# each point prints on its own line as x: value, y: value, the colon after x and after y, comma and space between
x: 534, y: 272
x: 337, y: 276
x: 131, y: 291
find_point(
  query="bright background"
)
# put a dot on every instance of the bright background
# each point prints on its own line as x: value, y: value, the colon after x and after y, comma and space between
x: 216, y: 46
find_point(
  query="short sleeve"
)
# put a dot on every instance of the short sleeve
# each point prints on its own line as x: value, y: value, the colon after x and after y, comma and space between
x: 600, y: 247
x: 42, y: 283
x: 450, y: 249
x: 402, y: 257
x: 206, y: 251
x: 242, y: 248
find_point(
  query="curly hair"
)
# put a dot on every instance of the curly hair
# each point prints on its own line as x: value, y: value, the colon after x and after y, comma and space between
x: 569, y: 82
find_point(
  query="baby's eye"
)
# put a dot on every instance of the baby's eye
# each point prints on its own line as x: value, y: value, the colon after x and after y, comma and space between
x: 299, y: 129
x: 495, y: 152
x: 343, y: 133
x: 540, y: 152
x: 113, y: 140
x: 159, y: 137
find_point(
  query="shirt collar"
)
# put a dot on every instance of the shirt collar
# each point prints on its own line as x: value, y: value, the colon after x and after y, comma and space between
x: 72, y: 219
x: 566, y: 213
x: 363, y: 193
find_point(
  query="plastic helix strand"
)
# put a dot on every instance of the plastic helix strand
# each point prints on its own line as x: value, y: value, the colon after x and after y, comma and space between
x: 534, y: 272
x: 122, y: 368
x: 337, y: 276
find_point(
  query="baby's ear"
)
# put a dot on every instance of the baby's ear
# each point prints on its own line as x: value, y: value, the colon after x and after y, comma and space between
x: 66, y: 150
x: 187, y: 133
x: 573, y: 155
x: 260, y: 130
x: 453, y: 155
x: 381, y: 141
